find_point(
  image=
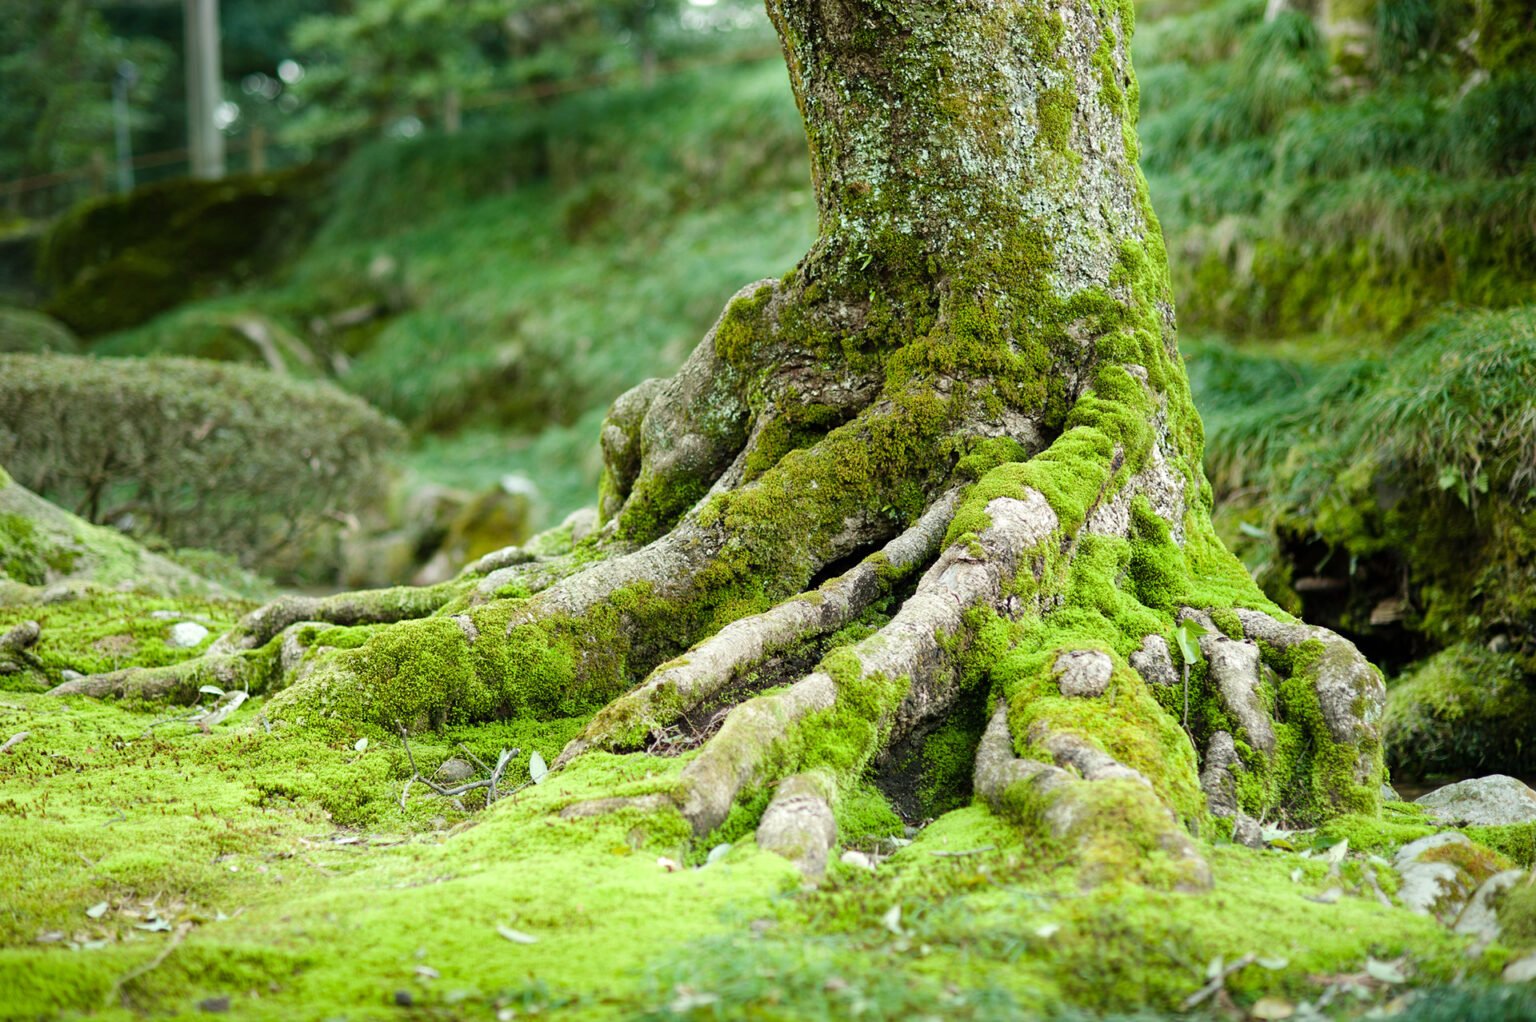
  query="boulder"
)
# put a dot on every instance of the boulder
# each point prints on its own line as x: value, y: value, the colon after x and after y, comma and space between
x: 1440, y: 873
x: 1489, y: 801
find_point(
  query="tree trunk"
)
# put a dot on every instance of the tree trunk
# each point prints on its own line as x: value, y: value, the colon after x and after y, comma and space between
x: 964, y: 409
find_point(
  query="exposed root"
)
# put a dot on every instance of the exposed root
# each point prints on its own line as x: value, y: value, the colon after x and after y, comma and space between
x: 742, y: 754
x: 798, y: 823
x: 1087, y: 800
x: 678, y: 687
x: 367, y: 607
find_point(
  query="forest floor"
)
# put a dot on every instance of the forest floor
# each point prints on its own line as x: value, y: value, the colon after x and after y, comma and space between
x: 155, y: 868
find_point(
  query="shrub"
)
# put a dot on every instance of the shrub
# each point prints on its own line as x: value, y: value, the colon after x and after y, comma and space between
x: 25, y: 330
x: 203, y: 454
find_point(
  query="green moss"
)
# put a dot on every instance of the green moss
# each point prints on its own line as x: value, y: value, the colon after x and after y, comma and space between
x: 1001, y: 930
x: 1463, y: 709
x: 1516, y: 841
x: 109, y: 631
x: 1372, y: 833
x: 1517, y: 916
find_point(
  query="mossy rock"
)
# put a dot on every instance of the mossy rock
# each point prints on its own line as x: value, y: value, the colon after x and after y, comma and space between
x: 115, y: 261
x: 1464, y: 709
x: 43, y: 545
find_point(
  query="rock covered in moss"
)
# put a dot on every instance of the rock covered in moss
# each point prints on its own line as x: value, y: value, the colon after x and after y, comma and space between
x: 1439, y: 874
x: 1466, y: 708
x: 49, y: 555
x: 1492, y: 801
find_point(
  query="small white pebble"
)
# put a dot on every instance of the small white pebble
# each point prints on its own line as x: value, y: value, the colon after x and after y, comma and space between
x: 859, y: 859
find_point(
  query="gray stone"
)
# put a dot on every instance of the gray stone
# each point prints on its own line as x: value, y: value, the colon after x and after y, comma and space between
x: 186, y: 634
x: 1216, y: 777
x: 1482, y: 801
x: 1154, y: 662
x: 1479, y: 919
x: 1234, y: 668
x: 1521, y: 970
x: 1084, y: 673
x: 1246, y: 831
x: 1432, y: 888
x: 455, y: 771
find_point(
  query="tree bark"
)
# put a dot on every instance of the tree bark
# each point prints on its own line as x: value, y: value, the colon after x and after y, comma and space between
x: 965, y: 405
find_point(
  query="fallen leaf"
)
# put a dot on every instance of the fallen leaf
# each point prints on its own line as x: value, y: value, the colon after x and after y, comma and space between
x: 427, y: 972
x: 516, y: 936
x: 360, y: 745
x: 1386, y: 972
x: 536, y: 768
x: 717, y: 853
x: 1272, y: 1009
x: 1047, y: 931
x: 212, y: 690
x: 892, y: 920
x: 1272, y: 964
x: 1328, y: 897
x: 97, y: 910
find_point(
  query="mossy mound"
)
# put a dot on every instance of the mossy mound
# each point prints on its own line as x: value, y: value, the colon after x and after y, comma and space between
x: 115, y: 261
x: 1464, y: 709
x: 1398, y: 484
x: 273, y: 852
x: 43, y: 545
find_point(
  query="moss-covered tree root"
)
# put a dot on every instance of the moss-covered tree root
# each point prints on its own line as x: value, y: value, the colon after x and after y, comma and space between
x: 937, y: 489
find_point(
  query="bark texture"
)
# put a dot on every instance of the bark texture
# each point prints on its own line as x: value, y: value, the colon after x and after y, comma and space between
x: 949, y: 463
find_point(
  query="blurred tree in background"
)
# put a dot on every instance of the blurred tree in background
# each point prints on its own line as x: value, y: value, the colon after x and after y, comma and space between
x: 58, y: 59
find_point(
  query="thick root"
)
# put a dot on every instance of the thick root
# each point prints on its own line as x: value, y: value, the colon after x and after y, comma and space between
x: 1106, y: 813
x: 682, y: 685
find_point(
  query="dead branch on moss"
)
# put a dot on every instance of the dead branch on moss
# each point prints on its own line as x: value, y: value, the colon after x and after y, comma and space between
x: 182, y: 929
x: 488, y: 784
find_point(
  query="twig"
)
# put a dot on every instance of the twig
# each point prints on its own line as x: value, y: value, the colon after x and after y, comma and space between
x: 15, y: 740
x: 1217, y: 983
x: 967, y: 851
x: 452, y: 793
x: 180, y: 933
x: 501, y: 764
x: 324, y: 871
x: 472, y: 757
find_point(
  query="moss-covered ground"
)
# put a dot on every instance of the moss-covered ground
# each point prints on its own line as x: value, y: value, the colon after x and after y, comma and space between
x: 151, y: 867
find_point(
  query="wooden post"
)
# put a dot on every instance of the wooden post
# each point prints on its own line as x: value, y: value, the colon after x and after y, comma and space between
x: 98, y: 172
x: 258, y: 153
x: 205, y: 141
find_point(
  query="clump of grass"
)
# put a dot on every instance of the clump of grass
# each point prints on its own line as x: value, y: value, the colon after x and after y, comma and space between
x: 1294, y: 202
